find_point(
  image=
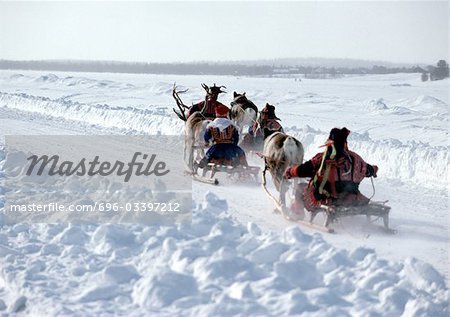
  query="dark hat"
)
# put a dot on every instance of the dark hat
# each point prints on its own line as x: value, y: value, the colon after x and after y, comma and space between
x: 213, y: 90
x: 338, y: 137
x: 269, y: 110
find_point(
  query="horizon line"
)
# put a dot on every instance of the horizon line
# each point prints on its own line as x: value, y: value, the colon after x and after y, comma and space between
x: 221, y: 61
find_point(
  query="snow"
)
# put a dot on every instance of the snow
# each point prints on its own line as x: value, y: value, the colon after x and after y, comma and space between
x: 236, y: 257
x: 127, y: 118
x: 180, y: 270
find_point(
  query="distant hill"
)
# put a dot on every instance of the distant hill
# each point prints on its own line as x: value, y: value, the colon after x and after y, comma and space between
x: 318, y: 62
x: 306, y: 67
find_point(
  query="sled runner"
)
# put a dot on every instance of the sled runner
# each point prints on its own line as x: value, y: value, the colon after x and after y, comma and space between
x: 208, y: 172
x: 240, y: 173
x: 373, y: 209
x: 332, y: 215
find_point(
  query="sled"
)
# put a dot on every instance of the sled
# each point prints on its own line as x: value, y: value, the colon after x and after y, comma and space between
x: 333, y: 213
x: 375, y: 210
x: 208, y: 173
x: 236, y: 172
x: 206, y: 180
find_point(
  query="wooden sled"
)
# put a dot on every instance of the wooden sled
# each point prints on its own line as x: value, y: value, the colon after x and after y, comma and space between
x: 378, y: 210
x: 333, y: 213
x: 239, y: 172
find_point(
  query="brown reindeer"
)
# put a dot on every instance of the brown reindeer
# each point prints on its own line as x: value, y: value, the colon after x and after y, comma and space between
x: 243, y: 111
x: 194, y: 129
x: 280, y: 152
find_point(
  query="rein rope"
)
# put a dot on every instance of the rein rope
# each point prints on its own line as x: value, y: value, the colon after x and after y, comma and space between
x: 373, y: 188
x: 269, y: 194
x: 261, y: 155
x: 327, y: 170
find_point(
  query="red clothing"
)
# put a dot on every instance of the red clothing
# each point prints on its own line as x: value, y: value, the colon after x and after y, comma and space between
x: 210, y: 110
x: 269, y: 124
x: 336, y: 183
x: 352, y: 162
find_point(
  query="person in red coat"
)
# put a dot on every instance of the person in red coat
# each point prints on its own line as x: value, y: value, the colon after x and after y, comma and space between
x: 208, y: 106
x: 335, y: 175
x: 266, y: 124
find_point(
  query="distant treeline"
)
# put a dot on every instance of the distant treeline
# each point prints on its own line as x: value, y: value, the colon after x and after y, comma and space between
x: 203, y: 68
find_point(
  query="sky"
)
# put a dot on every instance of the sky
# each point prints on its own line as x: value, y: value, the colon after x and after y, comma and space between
x: 394, y: 31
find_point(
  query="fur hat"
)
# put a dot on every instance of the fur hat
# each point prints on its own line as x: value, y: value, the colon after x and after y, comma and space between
x: 221, y: 111
x: 269, y: 110
x: 338, y: 137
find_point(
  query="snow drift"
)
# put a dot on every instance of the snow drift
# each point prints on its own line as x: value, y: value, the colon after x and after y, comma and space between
x: 150, y: 121
x: 211, y: 267
x: 412, y: 162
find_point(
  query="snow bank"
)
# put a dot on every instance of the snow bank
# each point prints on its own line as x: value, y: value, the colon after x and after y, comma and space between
x: 150, y: 121
x: 376, y: 105
x: 419, y: 105
x: 410, y: 162
x: 81, y: 82
x: 211, y: 267
x: 424, y: 103
x: 413, y: 162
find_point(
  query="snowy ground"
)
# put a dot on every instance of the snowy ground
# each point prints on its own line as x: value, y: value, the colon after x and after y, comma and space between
x: 237, y: 257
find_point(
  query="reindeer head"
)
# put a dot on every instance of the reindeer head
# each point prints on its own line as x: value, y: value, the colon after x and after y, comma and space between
x: 213, y: 90
x: 239, y: 98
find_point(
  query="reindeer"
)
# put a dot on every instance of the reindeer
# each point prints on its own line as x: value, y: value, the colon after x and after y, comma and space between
x: 194, y: 129
x: 280, y: 152
x: 196, y: 121
x: 243, y: 111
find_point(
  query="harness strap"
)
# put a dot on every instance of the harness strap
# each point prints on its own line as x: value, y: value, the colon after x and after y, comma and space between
x: 326, y: 173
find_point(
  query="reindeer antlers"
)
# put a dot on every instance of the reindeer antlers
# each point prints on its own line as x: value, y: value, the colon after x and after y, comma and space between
x: 181, y: 112
x: 213, y: 89
x: 181, y: 106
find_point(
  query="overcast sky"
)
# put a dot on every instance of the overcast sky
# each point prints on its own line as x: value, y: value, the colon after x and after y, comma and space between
x: 413, y: 32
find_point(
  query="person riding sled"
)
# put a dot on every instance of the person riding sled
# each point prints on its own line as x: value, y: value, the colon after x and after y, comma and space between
x: 207, y: 107
x: 224, y: 134
x: 266, y: 124
x: 335, y: 175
